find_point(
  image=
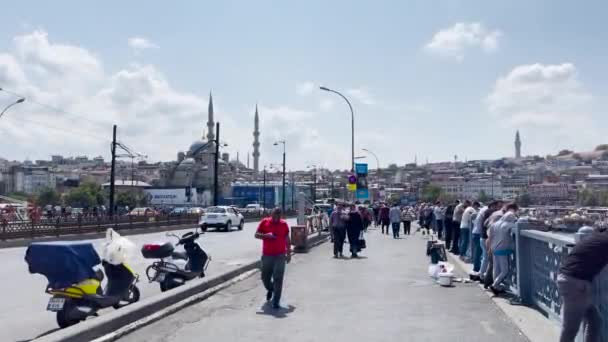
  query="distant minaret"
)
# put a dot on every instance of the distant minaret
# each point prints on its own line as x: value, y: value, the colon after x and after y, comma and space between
x: 210, y: 123
x: 517, y: 145
x: 247, y: 159
x: 256, y: 141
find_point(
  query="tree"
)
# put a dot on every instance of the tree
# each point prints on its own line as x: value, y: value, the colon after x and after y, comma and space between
x: 393, y: 167
x: 48, y: 196
x: 602, y: 147
x: 564, y: 153
x: 126, y: 199
x: 524, y: 200
x: 430, y: 193
x: 483, y: 197
x: 587, y: 197
x: 86, y: 195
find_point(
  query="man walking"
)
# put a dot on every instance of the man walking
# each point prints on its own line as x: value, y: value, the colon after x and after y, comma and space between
x: 276, y: 252
x: 395, y: 217
x: 407, y: 216
x: 354, y: 226
x: 575, y: 286
x: 384, y: 217
x: 337, y: 224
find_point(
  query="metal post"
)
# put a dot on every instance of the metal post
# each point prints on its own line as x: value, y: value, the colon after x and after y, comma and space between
x: 215, y: 162
x: 283, y: 204
x: 264, y: 190
x: 112, y: 170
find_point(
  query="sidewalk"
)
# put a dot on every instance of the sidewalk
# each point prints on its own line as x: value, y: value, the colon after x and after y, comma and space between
x: 384, y: 296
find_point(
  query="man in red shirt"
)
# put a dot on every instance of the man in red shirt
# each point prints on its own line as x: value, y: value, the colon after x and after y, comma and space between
x: 276, y: 252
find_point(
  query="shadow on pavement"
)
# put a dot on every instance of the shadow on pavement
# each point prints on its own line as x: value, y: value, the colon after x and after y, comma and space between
x: 41, y: 335
x: 282, y: 312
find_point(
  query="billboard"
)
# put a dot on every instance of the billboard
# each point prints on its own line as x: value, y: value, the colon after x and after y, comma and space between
x: 362, y: 191
x: 174, y: 196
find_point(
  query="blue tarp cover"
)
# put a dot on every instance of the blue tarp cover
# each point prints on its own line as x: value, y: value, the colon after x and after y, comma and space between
x: 62, y: 263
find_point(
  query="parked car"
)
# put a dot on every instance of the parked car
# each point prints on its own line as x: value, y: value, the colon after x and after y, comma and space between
x: 253, y: 208
x: 195, y: 211
x: 221, y: 217
x: 177, y: 211
x: 144, y: 211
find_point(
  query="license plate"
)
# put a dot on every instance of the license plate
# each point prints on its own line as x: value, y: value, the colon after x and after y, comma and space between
x: 55, y: 304
x: 161, y: 277
x: 211, y: 216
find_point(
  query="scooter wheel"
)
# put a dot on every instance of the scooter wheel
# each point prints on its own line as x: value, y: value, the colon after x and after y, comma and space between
x: 63, y: 319
x: 130, y: 297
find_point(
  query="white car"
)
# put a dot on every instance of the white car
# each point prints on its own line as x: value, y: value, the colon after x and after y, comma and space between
x: 221, y: 217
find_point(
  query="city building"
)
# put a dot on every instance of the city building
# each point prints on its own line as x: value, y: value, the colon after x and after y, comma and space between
x: 549, y: 193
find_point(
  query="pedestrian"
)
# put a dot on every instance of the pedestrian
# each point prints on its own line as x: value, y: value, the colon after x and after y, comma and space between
x: 354, y: 227
x: 439, y: 212
x: 407, y: 216
x: 501, y: 246
x: 488, y: 275
x: 484, y: 223
x: 376, y: 210
x: 575, y: 285
x: 448, y: 224
x: 365, y: 216
x: 476, y: 249
x: 395, y: 217
x: 466, y: 224
x: 276, y: 252
x: 456, y: 218
x: 384, y: 217
x: 337, y: 225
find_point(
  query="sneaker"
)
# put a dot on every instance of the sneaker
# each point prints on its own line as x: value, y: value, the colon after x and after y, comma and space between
x: 268, y: 295
x: 276, y: 306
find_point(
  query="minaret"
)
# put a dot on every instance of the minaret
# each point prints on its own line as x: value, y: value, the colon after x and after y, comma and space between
x: 256, y: 141
x: 210, y: 123
x: 517, y: 145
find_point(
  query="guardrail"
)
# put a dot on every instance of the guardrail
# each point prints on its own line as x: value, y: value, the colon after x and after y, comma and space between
x: 534, y: 269
x: 96, y: 224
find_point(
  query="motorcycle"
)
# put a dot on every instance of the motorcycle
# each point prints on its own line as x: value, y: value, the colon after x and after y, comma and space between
x: 74, y: 280
x: 175, y: 268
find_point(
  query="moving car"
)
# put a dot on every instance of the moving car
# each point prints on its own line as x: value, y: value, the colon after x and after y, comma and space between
x: 222, y: 217
x: 253, y: 208
x: 144, y: 211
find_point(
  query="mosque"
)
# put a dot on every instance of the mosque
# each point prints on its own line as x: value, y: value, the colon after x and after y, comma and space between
x: 192, y: 173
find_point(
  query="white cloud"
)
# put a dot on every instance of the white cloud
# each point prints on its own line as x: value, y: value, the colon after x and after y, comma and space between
x: 305, y: 88
x: 362, y: 95
x: 325, y: 105
x: 141, y: 43
x: 453, y: 41
x: 547, y: 97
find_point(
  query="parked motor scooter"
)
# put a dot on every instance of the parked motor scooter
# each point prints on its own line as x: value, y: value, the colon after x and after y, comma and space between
x: 74, y: 280
x: 175, y: 268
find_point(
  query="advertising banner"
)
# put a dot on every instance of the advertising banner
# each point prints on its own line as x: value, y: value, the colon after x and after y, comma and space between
x: 362, y: 191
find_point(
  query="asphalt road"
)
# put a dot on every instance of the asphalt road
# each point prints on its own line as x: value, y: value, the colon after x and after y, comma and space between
x: 23, y: 314
x: 386, y: 295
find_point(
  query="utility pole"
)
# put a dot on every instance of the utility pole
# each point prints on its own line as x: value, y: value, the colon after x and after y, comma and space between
x: 283, y: 206
x: 264, y: 190
x: 112, y: 170
x: 314, y: 185
x: 215, y: 162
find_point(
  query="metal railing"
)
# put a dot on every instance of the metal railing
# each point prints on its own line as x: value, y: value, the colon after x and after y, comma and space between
x: 58, y: 226
x: 534, y: 269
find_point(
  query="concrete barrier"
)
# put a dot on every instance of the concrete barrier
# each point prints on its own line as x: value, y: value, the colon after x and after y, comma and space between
x: 114, y: 320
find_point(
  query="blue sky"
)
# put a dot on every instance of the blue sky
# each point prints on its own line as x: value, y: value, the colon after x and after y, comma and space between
x: 426, y: 78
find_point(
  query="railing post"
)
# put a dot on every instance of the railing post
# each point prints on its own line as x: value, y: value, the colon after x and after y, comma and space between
x: 524, y: 264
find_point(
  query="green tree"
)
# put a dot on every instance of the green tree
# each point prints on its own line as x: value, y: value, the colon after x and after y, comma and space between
x: 430, y: 193
x: 564, y: 153
x: 587, y: 197
x: 86, y: 195
x: 483, y: 197
x: 18, y: 195
x: 126, y: 199
x: 48, y: 196
x: 602, y: 147
x: 523, y: 200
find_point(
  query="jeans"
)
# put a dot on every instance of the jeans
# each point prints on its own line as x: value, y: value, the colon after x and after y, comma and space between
x: 339, y: 237
x: 407, y: 225
x: 273, y: 270
x: 578, y: 307
x: 501, y: 269
x: 439, y: 225
x: 476, y: 252
x: 465, y: 235
x: 485, y: 258
x: 449, y: 227
x: 455, y: 238
x: 384, y: 223
x: 396, y: 226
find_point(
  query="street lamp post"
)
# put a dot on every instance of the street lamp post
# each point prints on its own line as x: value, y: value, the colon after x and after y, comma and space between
x: 314, y: 182
x: 377, y: 164
x: 283, y: 190
x: 352, y: 115
x: 21, y: 100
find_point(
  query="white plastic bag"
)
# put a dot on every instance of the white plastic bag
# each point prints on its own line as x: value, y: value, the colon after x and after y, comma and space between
x: 117, y: 249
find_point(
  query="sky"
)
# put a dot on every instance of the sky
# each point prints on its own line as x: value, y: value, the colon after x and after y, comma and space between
x: 428, y: 80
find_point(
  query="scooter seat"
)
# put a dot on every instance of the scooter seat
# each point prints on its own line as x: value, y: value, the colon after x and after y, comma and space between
x: 179, y: 255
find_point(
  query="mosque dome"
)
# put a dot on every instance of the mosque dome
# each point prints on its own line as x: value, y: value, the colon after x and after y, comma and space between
x: 196, y: 147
